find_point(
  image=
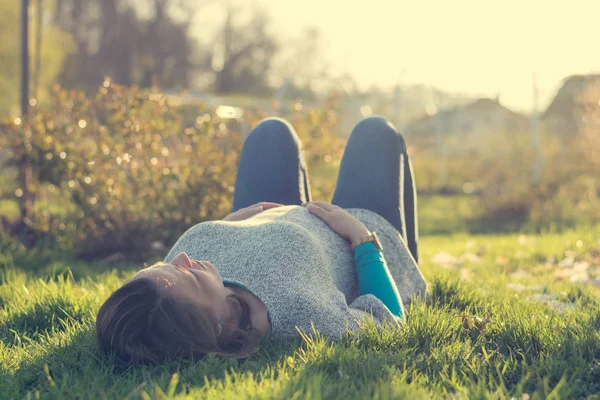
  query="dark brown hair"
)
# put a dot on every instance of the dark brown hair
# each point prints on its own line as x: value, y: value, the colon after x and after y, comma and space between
x: 141, y: 324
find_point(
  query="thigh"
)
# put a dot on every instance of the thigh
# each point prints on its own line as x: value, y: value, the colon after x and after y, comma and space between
x: 272, y: 167
x: 375, y: 174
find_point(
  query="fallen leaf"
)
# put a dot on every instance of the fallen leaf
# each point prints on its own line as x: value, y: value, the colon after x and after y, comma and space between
x: 520, y: 288
x: 516, y: 286
x: 471, y: 258
x: 519, y: 255
x: 449, y: 267
x: 445, y: 258
x: 581, y: 266
x: 543, y: 268
x: 567, y: 262
x: 465, y: 274
x: 481, y: 323
x: 580, y: 277
x: 563, y: 274
x: 501, y: 260
x: 550, y: 299
x: 519, y: 274
x: 522, y: 239
x: 561, y: 306
x: 550, y: 261
x: 542, y: 297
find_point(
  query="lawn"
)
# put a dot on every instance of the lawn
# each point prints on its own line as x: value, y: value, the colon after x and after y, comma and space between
x: 510, y: 316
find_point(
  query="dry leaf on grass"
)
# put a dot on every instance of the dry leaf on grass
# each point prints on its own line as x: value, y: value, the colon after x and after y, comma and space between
x: 567, y: 262
x: 581, y: 266
x: 520, y: 274
x: 471, y: 258
x: 520, y: 288
x: 580, y: 277
x: 501, y: 260
x: 472, y: 322
x: 466, y: 274
x: 550, y: 300
x: 445, y: 258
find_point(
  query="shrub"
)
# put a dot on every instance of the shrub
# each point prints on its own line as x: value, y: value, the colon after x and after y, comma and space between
x: 131, y: 167
x: 497, y: 170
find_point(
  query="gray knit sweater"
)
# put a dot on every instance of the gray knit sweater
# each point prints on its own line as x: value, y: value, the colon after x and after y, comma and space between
x: 300, y: 268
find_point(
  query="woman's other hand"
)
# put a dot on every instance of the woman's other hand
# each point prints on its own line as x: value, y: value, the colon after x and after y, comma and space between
x: 245, y: 213
x: 338, y: 219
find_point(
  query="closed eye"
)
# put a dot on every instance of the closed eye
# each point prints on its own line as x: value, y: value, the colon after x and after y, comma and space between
x: 186, y: 270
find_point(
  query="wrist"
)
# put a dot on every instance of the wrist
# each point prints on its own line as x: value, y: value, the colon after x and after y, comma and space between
x: 359, y: 234
x: 369, y: 238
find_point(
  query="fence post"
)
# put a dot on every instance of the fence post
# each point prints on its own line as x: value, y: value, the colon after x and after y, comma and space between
x: 38, y: 49
x: 24, y: 58
x: 24, y: 167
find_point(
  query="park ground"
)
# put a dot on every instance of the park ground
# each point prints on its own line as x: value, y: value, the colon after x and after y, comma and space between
x: 511, y: 316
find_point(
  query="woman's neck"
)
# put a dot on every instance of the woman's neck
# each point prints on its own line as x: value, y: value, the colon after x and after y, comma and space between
x: 258, y: 311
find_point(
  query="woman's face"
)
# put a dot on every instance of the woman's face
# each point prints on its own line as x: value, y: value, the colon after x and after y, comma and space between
x: 197, y: 282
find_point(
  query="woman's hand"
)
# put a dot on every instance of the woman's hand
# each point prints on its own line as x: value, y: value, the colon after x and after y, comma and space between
x: 245, y: 213
x: 338, y: 219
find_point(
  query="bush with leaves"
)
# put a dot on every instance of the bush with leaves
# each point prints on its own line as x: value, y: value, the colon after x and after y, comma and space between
x: 497, y: 170
x: 132, y: 168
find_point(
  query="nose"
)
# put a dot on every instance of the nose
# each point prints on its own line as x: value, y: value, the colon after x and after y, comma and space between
x: 182, y: 259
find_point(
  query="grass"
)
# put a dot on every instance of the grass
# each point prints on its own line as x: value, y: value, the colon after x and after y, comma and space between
x: 439, y: 215
x: 518, y: 347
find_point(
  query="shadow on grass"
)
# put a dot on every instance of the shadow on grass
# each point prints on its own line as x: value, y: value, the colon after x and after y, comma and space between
x: 73, y: 369
x: 430, y: 353
x: 40, y: 320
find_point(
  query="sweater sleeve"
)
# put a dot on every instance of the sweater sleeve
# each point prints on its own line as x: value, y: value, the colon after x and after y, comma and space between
x: 374, y: 278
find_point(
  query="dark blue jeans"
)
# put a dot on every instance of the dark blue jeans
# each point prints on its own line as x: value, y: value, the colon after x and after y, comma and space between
x: 375, y: 173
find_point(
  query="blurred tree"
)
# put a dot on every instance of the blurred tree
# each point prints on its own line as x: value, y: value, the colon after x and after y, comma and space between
x: 132, y: 42
x: 587, y: 114
x: 39, y: 20
x: 301, y: 65
x: 166, y: 46
x: 243, y: 54
x: 148, y: 43
x: 57, y: 44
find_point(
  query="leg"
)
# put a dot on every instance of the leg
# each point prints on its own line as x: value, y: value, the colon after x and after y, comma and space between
x: 376, y: 174
x: 272, y: 167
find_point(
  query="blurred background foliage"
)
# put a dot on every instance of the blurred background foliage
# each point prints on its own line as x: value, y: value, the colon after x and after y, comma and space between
x: 117, y: 157
x: 58, y: 44
x: 127, y: 171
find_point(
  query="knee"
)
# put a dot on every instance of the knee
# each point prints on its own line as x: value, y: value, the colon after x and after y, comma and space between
x: 381, y: 129
x: 274, y: 132
x: 274, y: 128
x: 274, y: 125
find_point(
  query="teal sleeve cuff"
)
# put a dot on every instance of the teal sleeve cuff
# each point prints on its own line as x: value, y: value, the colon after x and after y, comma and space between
x: 374, y: 277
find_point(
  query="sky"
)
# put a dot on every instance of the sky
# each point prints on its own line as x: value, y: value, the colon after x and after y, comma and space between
x: 481, y: 48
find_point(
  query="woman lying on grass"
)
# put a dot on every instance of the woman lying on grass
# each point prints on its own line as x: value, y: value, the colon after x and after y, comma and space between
x: 280, y: 261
